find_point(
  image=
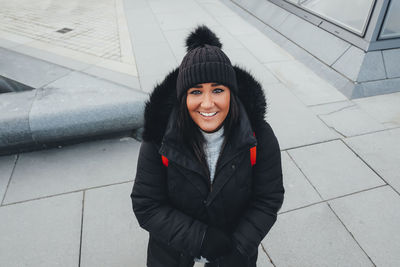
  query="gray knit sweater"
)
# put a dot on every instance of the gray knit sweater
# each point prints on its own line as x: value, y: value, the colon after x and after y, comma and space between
x: 212, y: 149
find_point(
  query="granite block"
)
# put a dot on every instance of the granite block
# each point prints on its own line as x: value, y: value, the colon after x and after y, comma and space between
x: 304, y: 83
x: 381, y: 87
x: 360, y: 66
x: 58, y: 59
x: 295, y: 182
x: 323, y: 45
x: 334, y: 169
x: 43, y: 232
x: 28, y: 70
x: 82, y: 105
x: 8, y: 44
x: 113, y: 76
x: 293, y: 123
x: 121, y: 242
x: 14, y: 119
x: 392, y: 59
x: 76, y: 167
x: 373, y: 219
x: 313, y: 236
x: 6, y: 168
x: 381, y: 151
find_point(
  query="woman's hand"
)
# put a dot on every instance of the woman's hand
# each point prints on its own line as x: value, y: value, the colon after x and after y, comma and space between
x: 215, y: 244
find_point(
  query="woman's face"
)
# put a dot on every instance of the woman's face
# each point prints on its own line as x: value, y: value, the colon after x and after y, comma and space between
x: 208, y: 105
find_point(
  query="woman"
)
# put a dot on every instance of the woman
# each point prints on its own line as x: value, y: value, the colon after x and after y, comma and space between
x: 209, y: 180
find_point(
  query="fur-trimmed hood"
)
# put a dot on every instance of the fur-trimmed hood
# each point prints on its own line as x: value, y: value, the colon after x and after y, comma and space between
x: 163, y: 99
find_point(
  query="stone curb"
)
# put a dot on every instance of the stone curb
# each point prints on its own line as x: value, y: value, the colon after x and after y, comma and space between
x: 74, y: 105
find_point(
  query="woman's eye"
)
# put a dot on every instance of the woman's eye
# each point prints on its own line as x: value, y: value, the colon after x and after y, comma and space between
x: 195, y: 92
x: 218, y: 90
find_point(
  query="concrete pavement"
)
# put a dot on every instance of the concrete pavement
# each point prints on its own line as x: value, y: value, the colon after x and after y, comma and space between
x: 70, y: 206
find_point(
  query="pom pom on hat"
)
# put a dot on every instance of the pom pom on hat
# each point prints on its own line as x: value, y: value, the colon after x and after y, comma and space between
x: 200, y: 37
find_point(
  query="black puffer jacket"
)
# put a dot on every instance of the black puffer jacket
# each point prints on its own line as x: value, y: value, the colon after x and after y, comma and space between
x: 175, y: 203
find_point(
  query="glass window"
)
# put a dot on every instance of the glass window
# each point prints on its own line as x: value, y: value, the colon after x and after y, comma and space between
x: 391, y: 26
x: 352, y: 15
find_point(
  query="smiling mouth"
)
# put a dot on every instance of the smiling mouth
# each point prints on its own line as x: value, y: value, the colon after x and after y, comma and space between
x: 208, y: 114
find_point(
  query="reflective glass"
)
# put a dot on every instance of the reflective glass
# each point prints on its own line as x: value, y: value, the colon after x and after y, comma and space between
x: 351, y: 14
x: 391, y: 26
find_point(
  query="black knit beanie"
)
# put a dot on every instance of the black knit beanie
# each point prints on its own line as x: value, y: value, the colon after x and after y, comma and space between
x: 204, y: 62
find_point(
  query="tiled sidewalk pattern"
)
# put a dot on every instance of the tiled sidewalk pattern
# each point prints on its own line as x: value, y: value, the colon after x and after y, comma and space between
x: 93, y: 28
x: 93, y: 24
x: 340, y: 162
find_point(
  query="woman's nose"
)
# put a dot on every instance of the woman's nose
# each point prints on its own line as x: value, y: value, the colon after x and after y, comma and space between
x: 207, y: 101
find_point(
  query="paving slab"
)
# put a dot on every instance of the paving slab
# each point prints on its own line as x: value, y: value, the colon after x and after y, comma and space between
x: 177, y: 6
x: 186, y: 20
x: 121, y: 241
x: 237, y: 25
x: 299, y: 192
x: 154, y: 59
x: 14, y: 118
x: 82, y: 105
x: 177, y: 38
x: 218, y: 9
x: 264, y: 49
x: 293, y: 123
x: 334, y: 169
x: 148, y: 82
x: 373, y: 219
x: 142, y: 21
x: 244, y: 59
x: 304, y: 83
x: 381, y: 151
x: 71, y: 168
x: 384, y: 108
x: 6, y: 167
x: 313, y: 236
x: 43, y: 232
x: 392, y: 59
x: 350, y: 121
x: 29, y: 70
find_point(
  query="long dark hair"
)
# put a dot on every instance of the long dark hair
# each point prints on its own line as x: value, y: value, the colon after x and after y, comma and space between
x: 190, y: 132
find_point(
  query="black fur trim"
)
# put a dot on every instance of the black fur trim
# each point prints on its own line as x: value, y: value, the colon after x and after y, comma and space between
x: 159, y: 107
x: 163, y: 99
x: 200, y: 37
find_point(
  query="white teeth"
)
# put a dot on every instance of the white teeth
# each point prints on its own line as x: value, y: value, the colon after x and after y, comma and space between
x: 208, y: 114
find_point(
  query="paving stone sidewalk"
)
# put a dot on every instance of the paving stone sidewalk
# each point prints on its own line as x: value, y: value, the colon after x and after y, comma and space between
x: 70, y: 206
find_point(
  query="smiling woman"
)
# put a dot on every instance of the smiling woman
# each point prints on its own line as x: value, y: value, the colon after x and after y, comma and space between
x: 199, y: 190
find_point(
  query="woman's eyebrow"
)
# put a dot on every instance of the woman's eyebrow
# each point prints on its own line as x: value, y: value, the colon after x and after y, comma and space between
x: 215, y: 84
x: 198, y: 86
